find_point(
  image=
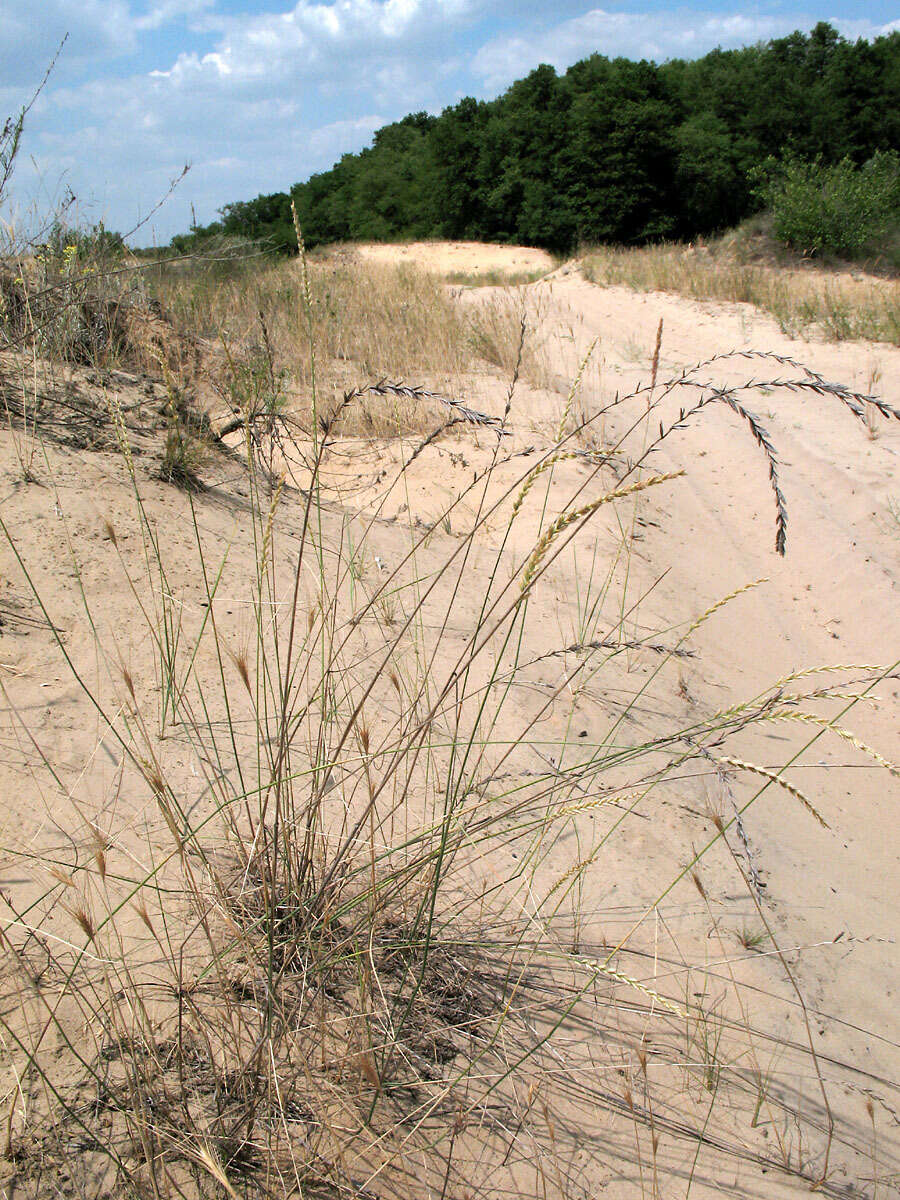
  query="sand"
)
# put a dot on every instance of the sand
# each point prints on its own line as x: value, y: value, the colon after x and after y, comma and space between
x: 831, y: 893
x: 464, y: 258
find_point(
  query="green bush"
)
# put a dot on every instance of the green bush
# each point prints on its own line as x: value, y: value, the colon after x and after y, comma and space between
x: 96, y: 244
x: 842, y: 209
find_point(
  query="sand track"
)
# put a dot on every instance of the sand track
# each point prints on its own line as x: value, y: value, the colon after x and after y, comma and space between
x: 834, y: 599
x: 831, y: 894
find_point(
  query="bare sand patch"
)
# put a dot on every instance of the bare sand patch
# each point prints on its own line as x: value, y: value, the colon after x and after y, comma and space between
x: 459, y: 258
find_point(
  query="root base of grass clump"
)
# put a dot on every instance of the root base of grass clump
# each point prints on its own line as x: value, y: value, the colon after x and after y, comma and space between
x: 332, y: 1079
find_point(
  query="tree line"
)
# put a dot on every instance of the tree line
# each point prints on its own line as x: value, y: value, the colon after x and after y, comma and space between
x: 610, y: 151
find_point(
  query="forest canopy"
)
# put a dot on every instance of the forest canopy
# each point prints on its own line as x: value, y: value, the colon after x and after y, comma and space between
x: 610, y: 151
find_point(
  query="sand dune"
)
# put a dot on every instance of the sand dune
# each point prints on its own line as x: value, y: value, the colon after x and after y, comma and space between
x: 669, y: 555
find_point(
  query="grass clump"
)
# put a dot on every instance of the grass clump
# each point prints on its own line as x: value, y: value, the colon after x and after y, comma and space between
x: 344, y: 954
x: 498, y: 277
x: 79, y: 297
x: 187, y: 441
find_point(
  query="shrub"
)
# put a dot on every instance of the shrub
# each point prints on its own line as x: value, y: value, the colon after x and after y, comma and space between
x: 842, y: 209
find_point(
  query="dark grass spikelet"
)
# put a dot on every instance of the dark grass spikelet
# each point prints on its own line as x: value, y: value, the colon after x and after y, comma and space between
x: 763, y: 440
x: 387, y: 387
x: 761, y: 436
x: 857, y: 402
x: 812, y: 381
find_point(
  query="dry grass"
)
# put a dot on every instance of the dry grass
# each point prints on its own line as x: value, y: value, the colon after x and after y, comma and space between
x: 368, y: 320
x: 87, y: 309
x: 834, y: 305
x: 337, y: 960
x: 497, y: 278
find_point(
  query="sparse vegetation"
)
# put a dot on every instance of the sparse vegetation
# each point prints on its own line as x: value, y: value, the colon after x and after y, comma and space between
x: 752, y: 939
x: 326, y: 791
x: 838, y: 306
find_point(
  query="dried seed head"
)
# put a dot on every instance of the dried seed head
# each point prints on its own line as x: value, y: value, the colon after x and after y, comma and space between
x: 364, y: 738
x: 98, y: 837
x: 366, y: 1064
x: 154, y: 777
x: 654, y: 368
x: 110, y: 531
x: 83, y: 918
x: 548, y: 1120
x: 101, y: 844
x: 240, y: 661
x: 719, y: 823
x: 698, y: 884
x: 395, y: 680
x: 129, y: 683
x: 141, y: 910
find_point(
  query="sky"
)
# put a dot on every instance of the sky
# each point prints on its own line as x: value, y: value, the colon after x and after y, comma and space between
x: 256, y: 95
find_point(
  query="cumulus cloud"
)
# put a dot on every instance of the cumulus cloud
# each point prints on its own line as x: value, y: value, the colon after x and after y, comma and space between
x: 311, y: 40
x: 29, y: 34
x: 259, y: 100
x: 658, y: 35
x: 342, y: 137
x: 275, y: 97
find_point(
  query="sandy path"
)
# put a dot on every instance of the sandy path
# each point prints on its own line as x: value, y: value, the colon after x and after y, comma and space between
x: 831, y: 895
x: 464, y: 258
x: 835, y: 598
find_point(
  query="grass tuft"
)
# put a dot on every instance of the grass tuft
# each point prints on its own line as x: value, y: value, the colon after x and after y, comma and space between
x: 321, y: 930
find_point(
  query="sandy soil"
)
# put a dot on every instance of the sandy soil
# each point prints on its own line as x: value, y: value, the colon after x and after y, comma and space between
x: 834, y: 599
x: 464, y: 258
x: 830, y: 893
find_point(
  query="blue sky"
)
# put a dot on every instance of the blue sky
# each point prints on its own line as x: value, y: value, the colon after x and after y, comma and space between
x: 258, y: 94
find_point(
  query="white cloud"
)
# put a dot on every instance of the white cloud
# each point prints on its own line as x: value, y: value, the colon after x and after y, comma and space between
x: 259, y: 101
x: 341, y: 137
x: 97, y: 29
x: 311, y: 39
x: 658, y: 35
x: 277, y: 96
x: 163, y: 11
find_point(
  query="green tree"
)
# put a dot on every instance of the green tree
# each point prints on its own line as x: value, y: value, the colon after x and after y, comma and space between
x: 610, y: 151
x: 619, y: 167
x: 710, y: 186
